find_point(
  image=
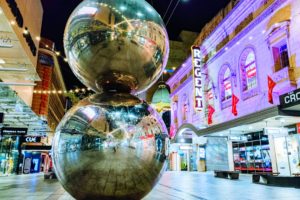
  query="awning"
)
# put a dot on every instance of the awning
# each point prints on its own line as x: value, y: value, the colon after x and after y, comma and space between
x: 248, y: 119
x: 18, y: 115
x: 36, y: 148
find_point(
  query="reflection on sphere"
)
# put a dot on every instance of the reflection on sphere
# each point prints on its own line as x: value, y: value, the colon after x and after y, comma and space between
x: 116, y: 45
x: 110, y: 146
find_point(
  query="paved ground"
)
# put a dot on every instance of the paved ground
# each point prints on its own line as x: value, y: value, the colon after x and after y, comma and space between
x: 172, y: 186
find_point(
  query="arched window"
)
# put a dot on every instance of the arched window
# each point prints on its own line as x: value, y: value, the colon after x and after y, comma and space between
x: 227, y: 85
x: 248, y: 70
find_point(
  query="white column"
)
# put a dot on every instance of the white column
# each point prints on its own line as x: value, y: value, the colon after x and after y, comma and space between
x: 272, y: 152
x: 230, y: 156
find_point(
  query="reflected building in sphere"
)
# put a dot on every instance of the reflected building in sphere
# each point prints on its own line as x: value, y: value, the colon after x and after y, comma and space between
x: 113, y: 142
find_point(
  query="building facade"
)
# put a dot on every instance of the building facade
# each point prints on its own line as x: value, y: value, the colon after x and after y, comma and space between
x: 20, y: 127
x: 48, y: 99
x: 229, y: 89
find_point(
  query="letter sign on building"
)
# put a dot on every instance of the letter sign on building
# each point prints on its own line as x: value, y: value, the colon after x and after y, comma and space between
x: 198, y: 90
x: 291, y: 100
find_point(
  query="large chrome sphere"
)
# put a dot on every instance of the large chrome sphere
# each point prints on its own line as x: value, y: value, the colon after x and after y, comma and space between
x: 110, y: 146
x: 116, y: 44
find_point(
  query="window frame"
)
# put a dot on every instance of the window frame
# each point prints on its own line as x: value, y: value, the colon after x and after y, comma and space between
x: 245, y: 92
x: 225, y: 103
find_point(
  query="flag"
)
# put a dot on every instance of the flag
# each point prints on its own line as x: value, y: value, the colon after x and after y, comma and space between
x: 271, y: 85
x: 211, y: 111
x: 235, y: 100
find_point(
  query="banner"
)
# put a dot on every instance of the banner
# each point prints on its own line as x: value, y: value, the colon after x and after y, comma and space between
x: 271, y: 85
x: 235, y: 101
x: 211, y: 111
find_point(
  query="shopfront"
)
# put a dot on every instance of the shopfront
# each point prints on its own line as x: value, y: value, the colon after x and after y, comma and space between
x: 231, y: 89
x: 19, y: 126
x: 10, y: 149
x: 36, y: 158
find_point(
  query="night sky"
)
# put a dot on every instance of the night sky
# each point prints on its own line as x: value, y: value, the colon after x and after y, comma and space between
x: 189, y: 15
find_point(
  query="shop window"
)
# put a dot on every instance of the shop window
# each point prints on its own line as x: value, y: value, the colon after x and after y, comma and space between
x: 278, y: 42
x: 281, y: 56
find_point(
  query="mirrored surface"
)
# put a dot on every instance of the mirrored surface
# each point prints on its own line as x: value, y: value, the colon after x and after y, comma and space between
x: 110, y: 146
x: 116, y: 45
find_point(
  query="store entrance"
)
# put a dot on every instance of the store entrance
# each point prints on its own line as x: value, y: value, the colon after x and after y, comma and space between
x: 287, y: 154
x: 8, y: 155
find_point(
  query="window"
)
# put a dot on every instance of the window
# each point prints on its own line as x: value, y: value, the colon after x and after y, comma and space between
x: 226, y: 82
x: 248, y: 70
x: 281, y: 56
x: 227, y: 86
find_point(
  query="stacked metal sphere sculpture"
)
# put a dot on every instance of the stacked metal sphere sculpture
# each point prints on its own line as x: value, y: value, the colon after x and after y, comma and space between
x: 112, y: 145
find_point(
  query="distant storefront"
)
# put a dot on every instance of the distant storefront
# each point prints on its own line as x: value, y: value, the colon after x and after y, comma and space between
x: 240, y: 89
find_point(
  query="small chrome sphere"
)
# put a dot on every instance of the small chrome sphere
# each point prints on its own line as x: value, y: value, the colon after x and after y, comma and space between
x: 116, y: 45
x: 110, y: 146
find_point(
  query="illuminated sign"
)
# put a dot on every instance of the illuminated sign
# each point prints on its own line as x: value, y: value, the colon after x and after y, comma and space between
x: 5, y: 41
x: 290, y: 99
x: 31, y: 139
x: 13, y: 131
x: 197, y: 65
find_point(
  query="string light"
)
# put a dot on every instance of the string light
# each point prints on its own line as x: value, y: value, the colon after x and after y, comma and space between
x: 77, y: 90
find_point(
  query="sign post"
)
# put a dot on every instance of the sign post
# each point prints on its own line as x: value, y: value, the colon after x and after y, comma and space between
x: 197, y: 69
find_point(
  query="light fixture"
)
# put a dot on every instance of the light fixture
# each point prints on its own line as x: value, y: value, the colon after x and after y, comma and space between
x: 38, y: 38
x: 12, y: 22
x: 122, y: 8
x: 65, y: 59
x: 139, y: 14
x: 13, y: 69
x: 250, y: 38
x: 57, y: 53
x: 17, y: 84
x: 282, y: 120
x: 2, y: 61
x: 25, y: 31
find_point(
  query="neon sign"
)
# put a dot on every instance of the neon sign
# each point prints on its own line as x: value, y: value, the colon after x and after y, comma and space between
x: 198, y: 94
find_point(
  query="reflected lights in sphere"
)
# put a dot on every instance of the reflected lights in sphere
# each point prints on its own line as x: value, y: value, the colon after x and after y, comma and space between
x: 115, y: 47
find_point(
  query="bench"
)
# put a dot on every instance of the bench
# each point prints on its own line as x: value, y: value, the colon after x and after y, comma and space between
x: 225, y: 174
x: 296, y: 174
x: 256, y: 176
